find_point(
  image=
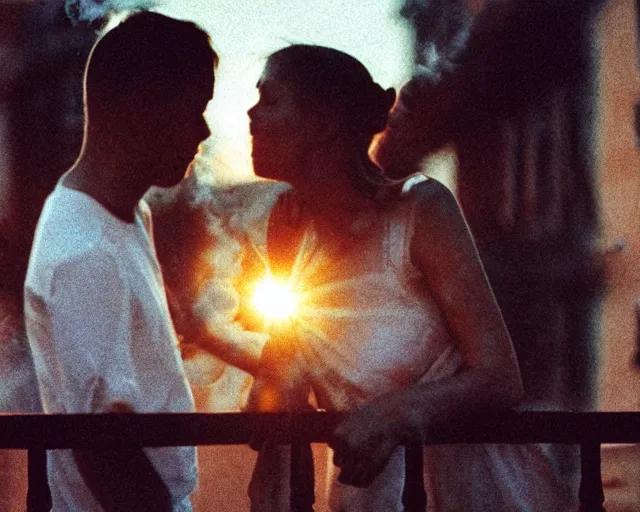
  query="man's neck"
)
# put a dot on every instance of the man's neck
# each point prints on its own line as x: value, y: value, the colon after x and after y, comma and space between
x: 118, y: 196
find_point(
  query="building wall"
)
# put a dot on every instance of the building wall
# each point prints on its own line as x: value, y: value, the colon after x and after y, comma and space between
x: 619, y: 164
x: 619, y: 154
x: 13, y: 463
x: 11, y: 65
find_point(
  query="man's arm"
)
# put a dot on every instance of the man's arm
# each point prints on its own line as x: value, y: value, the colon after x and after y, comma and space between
x: 123, y: 479
x: 91, y: 339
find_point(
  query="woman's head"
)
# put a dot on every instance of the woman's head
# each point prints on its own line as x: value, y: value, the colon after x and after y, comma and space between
x: 324, y: 79
x: 302, y: 89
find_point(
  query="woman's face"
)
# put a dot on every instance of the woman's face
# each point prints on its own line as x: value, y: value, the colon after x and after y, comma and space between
x: 277, y: 125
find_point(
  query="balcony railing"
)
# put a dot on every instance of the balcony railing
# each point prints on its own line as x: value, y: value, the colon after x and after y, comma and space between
x: 38, y: 432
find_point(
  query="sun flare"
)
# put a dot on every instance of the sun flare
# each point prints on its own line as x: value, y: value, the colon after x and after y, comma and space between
x: 273, y: 299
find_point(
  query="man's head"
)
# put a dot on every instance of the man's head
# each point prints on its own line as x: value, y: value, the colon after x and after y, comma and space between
x: 147, y: 83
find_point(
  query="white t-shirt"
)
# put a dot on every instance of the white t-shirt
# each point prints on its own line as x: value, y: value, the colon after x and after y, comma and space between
x: 99, y: 327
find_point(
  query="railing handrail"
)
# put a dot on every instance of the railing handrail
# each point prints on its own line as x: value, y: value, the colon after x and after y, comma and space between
x: 37, y: 432
x: 50, y: 431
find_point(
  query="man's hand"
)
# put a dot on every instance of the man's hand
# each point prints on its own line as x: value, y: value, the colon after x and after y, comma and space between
x: 123, y: 479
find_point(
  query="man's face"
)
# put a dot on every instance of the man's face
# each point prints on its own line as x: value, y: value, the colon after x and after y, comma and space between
x: 180, y: 131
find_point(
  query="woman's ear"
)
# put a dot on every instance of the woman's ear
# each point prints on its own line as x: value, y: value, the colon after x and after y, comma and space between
x: 325, y: 127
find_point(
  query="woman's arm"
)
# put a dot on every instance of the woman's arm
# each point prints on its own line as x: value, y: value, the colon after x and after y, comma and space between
x: 443, y: 250
x: 240, y: 348
x: 195, y: 334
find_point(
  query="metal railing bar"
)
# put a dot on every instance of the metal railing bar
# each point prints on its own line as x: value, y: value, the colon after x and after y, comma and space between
x: 24, y: 431
x: 414, y: 496
x: 37, y: 432
x: 591, y: 493
x: 38, y: 495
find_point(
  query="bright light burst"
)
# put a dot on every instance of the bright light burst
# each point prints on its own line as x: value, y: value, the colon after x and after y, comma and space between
x: 275, y: 300
x: 305, y: 297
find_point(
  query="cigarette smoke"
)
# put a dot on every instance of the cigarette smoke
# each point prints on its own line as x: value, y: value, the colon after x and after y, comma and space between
x: 209, y: 235
x: 441, y: 30
x: 90, y: 11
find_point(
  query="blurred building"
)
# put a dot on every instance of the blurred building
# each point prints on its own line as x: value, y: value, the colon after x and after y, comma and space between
x: 42, y: 58
x: 41, y: 64
x: 618, y: 131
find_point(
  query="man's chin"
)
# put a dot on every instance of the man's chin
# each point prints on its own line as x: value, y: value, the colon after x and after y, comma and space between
x: 266, y: 170
x: 259, y: 169
x: 172, y: 181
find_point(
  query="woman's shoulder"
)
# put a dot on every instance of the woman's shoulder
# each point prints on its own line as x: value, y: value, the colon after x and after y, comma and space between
x: 436, y: 214
x: 428, y: 193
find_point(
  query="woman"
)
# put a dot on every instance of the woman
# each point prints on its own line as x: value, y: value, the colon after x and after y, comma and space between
x: 397, y: 322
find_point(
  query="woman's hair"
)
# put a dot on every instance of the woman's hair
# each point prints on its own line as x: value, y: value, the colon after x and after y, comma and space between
x: 327, y: 79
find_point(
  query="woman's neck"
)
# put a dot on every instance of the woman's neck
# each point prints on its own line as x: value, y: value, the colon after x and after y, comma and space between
x: 337, y: 206
x: 327, y: 190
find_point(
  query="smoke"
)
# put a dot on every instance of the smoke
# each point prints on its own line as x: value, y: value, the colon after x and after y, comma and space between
x: 441, y: 30
x: 211, y: 236
x: 90, y: 11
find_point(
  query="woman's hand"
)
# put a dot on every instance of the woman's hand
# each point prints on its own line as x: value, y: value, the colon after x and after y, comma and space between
x: 275, y: 359
x: 278, y: 384
x: 366, y: 439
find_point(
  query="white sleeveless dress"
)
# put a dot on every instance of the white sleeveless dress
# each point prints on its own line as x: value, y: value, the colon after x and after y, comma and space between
x: 368, y: 326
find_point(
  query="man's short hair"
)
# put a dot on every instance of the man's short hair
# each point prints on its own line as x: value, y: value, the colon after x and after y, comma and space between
x: 146, y: 60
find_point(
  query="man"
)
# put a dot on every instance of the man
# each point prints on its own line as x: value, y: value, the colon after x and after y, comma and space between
x: 96, y: 310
